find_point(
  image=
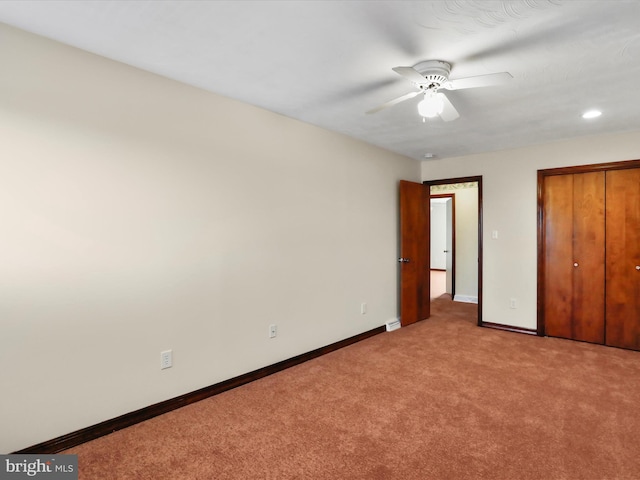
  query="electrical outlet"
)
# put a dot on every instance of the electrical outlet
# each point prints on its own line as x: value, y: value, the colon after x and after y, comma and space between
x: 513, y: 303
x: 273, y: 331
x: 166, y: 359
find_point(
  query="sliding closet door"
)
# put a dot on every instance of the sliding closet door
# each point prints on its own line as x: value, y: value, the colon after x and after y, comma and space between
x: 574, y: 225
x: 623, y: 258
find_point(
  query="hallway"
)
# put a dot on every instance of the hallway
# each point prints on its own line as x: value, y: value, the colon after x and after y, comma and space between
x: 438, y: 283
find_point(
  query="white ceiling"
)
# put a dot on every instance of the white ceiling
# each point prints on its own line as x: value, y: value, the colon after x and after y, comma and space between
x: 327, y: 62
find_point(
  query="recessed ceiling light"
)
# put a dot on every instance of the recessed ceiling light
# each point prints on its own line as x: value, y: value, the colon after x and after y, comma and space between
x: 592, y: 114
x: 429, y: 155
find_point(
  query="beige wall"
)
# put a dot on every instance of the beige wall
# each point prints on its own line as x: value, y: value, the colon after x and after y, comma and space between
x: 510, y: 207
x: 139, y: 214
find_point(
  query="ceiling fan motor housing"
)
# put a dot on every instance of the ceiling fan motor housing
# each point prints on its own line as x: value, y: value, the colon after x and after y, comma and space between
x: 435, y: 72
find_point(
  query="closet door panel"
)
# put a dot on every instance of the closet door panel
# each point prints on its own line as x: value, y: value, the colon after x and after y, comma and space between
x: 623, y: 258
x: 588, y: 256
x: 558, y: 255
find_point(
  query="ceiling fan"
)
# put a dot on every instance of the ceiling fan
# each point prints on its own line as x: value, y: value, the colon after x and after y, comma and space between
x: 432, y: 75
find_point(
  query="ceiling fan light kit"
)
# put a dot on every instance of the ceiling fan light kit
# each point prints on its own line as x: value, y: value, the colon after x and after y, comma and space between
x: 432, y: 104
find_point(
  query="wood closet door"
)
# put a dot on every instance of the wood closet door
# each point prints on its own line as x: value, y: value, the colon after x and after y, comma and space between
x: 623, y: 258
x: 574, y: 286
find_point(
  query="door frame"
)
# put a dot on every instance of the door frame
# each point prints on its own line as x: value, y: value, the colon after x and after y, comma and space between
x: 447, y: 181
x: 453, y: 237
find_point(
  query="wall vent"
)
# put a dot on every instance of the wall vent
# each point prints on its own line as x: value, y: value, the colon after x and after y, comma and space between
x: 392, y: 325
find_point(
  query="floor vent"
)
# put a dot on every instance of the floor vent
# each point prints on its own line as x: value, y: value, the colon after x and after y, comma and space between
x: 392, y: 325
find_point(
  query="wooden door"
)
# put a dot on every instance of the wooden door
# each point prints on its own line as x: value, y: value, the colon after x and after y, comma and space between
x: 623, y: 258
x: 558, y: 247
x: 588, y: 255
x: 574, y: 229
x: 414, y: 252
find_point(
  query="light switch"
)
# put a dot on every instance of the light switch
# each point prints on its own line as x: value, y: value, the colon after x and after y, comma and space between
x: 494, y: 234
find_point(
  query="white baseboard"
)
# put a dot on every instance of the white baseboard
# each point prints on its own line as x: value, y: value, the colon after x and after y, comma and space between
x: 465, y: 299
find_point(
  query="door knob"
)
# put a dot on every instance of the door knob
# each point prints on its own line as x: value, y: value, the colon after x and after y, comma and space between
x: 637, y: 267
x: 403, y: 260
x: 446, y: 251
x: 575, y: 264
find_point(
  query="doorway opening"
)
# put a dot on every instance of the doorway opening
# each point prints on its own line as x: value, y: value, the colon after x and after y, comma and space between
x: 465, y: 237
x: 442, y: 245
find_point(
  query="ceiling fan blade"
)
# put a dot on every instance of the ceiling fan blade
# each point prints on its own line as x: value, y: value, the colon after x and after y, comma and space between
x: 449, y: 112
x: 411, y: 74
x: 390, y: 103
x: 478, y: 81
